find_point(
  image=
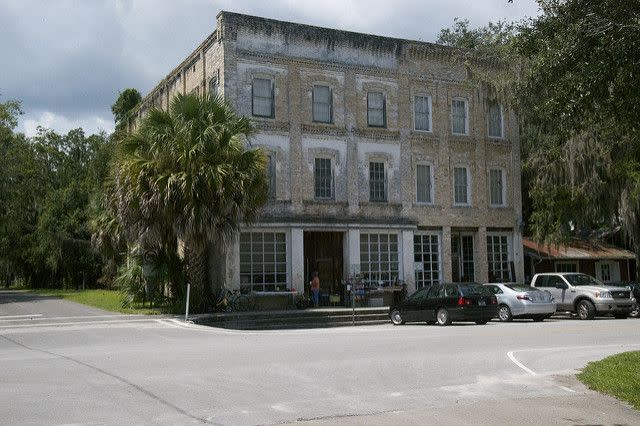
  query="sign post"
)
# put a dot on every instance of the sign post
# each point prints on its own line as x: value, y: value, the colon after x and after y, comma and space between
x: 186, y: 309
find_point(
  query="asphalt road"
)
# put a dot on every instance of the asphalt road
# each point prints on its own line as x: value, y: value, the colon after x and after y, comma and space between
x: 115, y: 370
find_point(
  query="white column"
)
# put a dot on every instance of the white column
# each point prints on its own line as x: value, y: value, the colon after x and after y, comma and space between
x: 481, y: 265
x: 352, y: 259
x: 445, y: 254
x: 518, y: 256
x: 408, y: 269
x: 297, y: 259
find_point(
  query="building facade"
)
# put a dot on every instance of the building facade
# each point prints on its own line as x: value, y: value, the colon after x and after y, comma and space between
x: 384, y: 158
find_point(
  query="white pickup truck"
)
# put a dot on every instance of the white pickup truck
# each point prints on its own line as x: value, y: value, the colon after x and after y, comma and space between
x: 584, y: 295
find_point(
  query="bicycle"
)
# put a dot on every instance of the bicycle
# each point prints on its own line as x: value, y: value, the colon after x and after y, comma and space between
x: 233, y: 300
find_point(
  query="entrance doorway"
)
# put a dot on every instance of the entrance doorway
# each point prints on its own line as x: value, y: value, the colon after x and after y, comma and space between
x: 323, y: 252
x: 462, y: 257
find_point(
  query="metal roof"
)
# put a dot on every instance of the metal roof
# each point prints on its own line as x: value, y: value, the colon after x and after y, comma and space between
x: 577, y: 249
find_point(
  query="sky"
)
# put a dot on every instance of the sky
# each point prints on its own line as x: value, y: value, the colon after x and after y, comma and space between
x: 67, y: 60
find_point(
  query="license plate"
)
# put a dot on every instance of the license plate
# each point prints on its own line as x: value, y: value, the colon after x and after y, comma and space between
x: 481, y: 303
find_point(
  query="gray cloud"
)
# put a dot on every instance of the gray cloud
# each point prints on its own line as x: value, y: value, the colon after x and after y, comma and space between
x: 67, y: 60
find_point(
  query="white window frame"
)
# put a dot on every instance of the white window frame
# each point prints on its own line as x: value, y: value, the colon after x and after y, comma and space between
x: 379, y: 262
x: 503, y: 176
x: 386, y: 183
x: 431, y: 183
x: 286, y: 271
x: 438, y: 234
x: 313, y: 104
x: 273, y: 96
x: 509, y: 237
x: 384, y: 109
x: 421, y: 95
x: 501, y: 122
x: 557, y: 263
x: 466, y: 117
x: 453, y: 178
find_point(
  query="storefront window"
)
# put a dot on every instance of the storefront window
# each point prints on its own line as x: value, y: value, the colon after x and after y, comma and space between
x: 426, y: 252
x: 379, y: 258
x: 263, y: 261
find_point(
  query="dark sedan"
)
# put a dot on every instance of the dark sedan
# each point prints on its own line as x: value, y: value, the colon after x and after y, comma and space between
x: 443, y: 304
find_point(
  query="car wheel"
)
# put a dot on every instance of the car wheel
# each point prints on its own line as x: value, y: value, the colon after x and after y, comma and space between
x: 620, y: 316
x: 504, y: 313
x: 396, y: 317
x: 443, y: 317
x: 636, y: 311
x: 586, y: 310
x: 539, y: 318
x: 482, y: 322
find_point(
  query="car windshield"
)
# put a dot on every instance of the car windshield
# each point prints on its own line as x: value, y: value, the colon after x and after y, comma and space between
x: 582, y: 279
x: 475, y: 290
x: 520, y: 287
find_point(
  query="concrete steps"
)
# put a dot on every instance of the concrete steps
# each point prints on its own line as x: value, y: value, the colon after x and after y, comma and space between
x: 295, y: 319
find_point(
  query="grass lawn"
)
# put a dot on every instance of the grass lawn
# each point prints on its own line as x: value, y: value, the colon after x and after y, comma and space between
x: 617, y: 375
x: 109, y: 300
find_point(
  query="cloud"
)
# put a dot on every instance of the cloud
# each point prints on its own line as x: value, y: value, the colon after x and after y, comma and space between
x: 61, y: 124
x: 70, y: 58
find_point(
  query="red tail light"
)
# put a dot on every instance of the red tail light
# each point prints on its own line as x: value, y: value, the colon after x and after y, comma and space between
x: 522, y: 297
x: 464, y: 301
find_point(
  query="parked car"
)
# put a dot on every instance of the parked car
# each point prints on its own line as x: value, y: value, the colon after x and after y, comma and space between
x: 585, y: 295
x: 522, y: 301
x: 445, y: 303
x: 635, y: 290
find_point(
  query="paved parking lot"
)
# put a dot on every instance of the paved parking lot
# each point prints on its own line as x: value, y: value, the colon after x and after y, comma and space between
x: 117, y: 369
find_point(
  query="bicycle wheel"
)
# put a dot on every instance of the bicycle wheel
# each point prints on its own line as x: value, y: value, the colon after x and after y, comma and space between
x: 241, y: 304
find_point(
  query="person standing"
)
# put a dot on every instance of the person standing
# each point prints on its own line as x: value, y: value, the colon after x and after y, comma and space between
x: 315, y: 288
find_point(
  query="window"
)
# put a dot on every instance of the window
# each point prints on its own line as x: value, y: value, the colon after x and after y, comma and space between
x: 462, y: 257
x: 323, y: 176
x: 605, y: 272
x: 376, y: 109
x: 263, y: 261
x: 262, y: 97
x: 377, y: 182
x: 496, y: 186
x: 379, y: 258
x: 548, y: 281
x: 424, y: 190
x: 271, y: 175
x: 322, y: 104
x: 426, y: 255
x: 214, y: 84
x: 459, y: 117
x: 422, y: 113
x: 461, y: 186
x: 495, y: 120
x: 498, y: 258
x: 566, y: 267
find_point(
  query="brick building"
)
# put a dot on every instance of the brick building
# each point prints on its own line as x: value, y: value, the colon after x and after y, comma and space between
x: 384, y: 158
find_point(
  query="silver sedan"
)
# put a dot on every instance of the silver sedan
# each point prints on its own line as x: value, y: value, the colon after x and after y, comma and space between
x: 522, y: 301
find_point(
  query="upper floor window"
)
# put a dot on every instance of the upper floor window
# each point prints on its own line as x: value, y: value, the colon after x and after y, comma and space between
x: 376, y: 109
x: 322, y: 104
x: 495, y: 120
x: 323, y: 178
x: 461, y: 187
x: 377, y: 182
x: 496, y: 187
x: 459, y: 117
x: 262, y: 97
x: 271, y: 175
x: 422, y: 113
x: 214, y: 84
x: 424, y: 188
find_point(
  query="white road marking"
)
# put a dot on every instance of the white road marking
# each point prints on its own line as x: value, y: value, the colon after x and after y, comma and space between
x: 54, y: 324
x: 521, y: 365
x: 17, y: 317
x: 65, y: 318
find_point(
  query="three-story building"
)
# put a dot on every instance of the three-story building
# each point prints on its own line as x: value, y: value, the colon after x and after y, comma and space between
x: 385, y: 159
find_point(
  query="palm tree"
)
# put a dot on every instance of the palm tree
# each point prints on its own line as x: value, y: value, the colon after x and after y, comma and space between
x: 187, y: 178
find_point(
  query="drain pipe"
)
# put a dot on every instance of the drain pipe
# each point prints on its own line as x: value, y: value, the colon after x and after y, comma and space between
x: 186, y: 309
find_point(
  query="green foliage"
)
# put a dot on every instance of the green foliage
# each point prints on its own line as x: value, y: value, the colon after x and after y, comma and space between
x: 127, y: 100
x: 46, y: 183
x: 617, y: 375
x: 109, y: 300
